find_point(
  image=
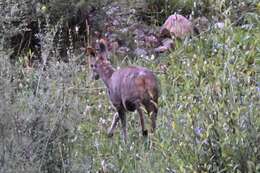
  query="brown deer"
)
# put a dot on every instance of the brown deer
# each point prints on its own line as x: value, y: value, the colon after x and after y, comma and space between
x: 128, y: 88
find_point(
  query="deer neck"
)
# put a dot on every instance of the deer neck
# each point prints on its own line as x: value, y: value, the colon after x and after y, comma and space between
x: 106, y: 72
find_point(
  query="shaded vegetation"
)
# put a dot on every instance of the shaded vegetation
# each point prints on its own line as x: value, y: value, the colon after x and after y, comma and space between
x: 54, y: 118
x: 158, y: 10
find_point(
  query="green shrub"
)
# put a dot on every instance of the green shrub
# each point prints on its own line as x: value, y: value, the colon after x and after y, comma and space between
x: 158, y: 10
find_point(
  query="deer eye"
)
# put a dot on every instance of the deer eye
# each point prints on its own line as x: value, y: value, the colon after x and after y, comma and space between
x: 93, y: 65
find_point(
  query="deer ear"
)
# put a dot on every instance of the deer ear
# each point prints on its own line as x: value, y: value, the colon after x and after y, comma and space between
x: 103, y: 49
x: 90, y: 51
x: 103, y: 45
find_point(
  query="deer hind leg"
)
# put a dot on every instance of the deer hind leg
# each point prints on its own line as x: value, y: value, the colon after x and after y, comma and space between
x: 113, y: 125
x: 144, y: 131
x: 122, y: 117
x: 153, y: 119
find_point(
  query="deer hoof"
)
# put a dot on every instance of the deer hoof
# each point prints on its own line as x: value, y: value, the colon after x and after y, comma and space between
x: 145, y: 132
x: 110, y: 135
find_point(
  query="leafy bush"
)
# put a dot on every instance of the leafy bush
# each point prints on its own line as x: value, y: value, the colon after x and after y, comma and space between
x: 158, y: 10
x: 24, y: 21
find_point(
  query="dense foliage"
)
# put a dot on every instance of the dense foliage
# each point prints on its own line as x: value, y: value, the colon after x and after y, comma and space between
x: 54, y: 118
x: 158, y: 10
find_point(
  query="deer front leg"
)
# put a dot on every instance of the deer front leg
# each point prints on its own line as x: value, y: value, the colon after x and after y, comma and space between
x: 152, y: 111
x: 113, y: 125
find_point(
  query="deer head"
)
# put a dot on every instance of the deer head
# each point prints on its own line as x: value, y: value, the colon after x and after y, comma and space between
x: 98, y: 58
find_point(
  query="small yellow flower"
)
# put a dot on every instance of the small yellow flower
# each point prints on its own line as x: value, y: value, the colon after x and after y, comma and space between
x: 258, y: 6
x: 44, y: 8
x: 173, y: 125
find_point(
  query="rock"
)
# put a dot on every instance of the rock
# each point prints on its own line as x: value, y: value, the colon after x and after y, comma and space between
x: 177, y: 25
x: 113, y: 46
x: 124, y: 30
x: 139, y: 34
x: 123, y: 50
x: 126, y: 35
x: 133, y: 27
x: 115, y: 22
x: 111, y: 36
x: 201, y: 24
x: 161, y: 49
x: 140, y: 52
x: 111, y: 28
x: 167, y: 44
x: 151, y: 41
x: 219, y: 25
x: 139, y: 43
x: 112, y: 10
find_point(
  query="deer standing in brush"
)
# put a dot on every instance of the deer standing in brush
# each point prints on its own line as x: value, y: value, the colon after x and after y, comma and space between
x: 128, y: 89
